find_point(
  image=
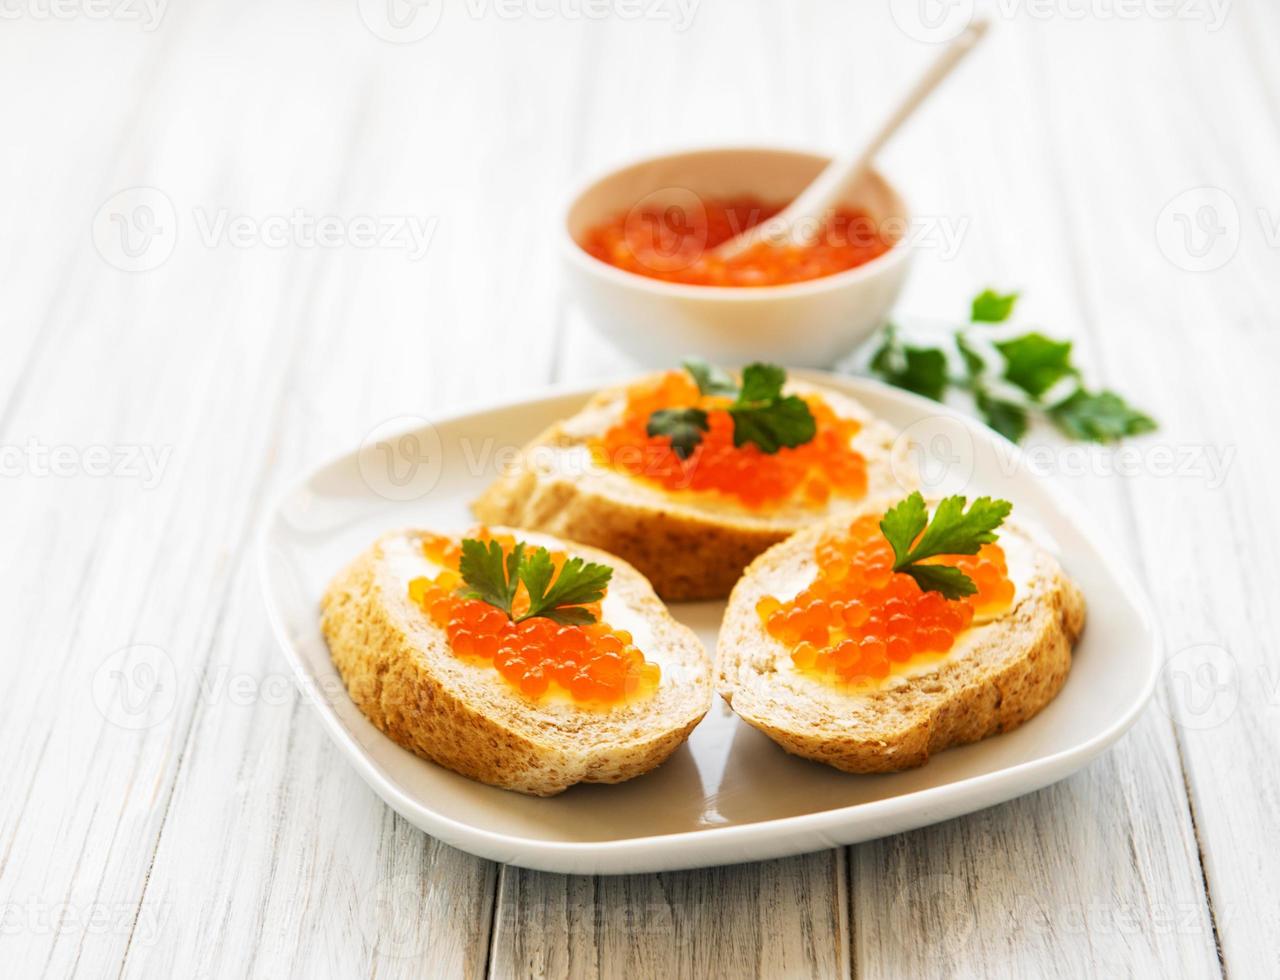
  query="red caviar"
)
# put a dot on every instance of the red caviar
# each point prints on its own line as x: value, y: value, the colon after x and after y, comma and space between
x: 674, y: 241
x: 592, y: 664
x: 809, y: 473
x: 859, y: 618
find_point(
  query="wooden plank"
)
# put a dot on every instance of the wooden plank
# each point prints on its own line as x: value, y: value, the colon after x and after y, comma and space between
x: 768, y: 919
x: 246, y: 362
x: 113, y: 564
x: 1084, y: 878
x: 327, y: 878
x: 1195, y: 337
x: 333, y: 881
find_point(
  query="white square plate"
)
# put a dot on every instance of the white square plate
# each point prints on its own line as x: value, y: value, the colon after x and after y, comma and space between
x: 730, y: 794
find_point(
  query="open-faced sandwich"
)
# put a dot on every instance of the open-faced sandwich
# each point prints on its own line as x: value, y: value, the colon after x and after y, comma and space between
x: 514, y: 658
x: 689, y: 475
x: 870, y: 644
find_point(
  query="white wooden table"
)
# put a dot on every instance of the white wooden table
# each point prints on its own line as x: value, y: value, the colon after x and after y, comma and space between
x: 149, y: 415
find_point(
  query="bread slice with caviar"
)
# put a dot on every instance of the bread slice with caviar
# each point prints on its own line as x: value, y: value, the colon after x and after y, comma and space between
x: 689, y: 475
x: 841, y: 659
x: 530, y: 665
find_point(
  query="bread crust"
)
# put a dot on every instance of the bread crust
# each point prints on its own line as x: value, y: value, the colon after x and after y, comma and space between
x: 686, y: 556
x: 1010, y: 669
x: 399, y: 672
x: 686, y: 550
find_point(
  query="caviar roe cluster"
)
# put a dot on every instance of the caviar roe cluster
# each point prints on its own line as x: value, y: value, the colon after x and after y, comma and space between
x: 809, y: 473
x: 675, y: 242
x: 593, y: 664
x: 859, y: 618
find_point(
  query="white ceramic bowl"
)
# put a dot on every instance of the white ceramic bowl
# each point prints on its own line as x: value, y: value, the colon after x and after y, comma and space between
x: 808, y: 324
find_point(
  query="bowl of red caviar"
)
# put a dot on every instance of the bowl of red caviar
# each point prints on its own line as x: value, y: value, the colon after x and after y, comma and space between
x: 640, y: 249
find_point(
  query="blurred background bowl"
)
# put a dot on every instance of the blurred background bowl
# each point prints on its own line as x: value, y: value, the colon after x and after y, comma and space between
x: 808, y: 324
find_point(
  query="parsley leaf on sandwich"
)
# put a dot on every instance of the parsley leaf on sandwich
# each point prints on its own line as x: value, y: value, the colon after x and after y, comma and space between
x: 578, y: 583
x: 491, y: 578
x: 762, y: 415
x: 684, y: 426
x: 761, y: 382
x: 488, y: 575
x: 784, y: 422
x: 952, y: 531
x: 710, y: 380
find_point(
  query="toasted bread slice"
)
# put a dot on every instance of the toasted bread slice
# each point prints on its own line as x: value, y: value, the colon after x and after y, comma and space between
x: 689, y: 545
x: 400, y: 671
x: 998, y: 675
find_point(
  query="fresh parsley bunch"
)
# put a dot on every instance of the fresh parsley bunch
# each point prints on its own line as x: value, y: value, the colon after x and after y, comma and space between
x: 761, y: 413
x: 1029, y: 378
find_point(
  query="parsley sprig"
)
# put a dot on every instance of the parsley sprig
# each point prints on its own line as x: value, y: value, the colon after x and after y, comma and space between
x: 685, y: 426
x: 1024, y: 375
x: 494, y: 578
x: 953, y: 531
x: 762, y: 415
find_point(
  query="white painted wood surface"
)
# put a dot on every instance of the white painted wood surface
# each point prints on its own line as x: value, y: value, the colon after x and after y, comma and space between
x: 225, y: 838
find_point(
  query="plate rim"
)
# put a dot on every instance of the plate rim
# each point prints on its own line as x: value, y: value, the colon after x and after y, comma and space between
x: 670, y: 851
